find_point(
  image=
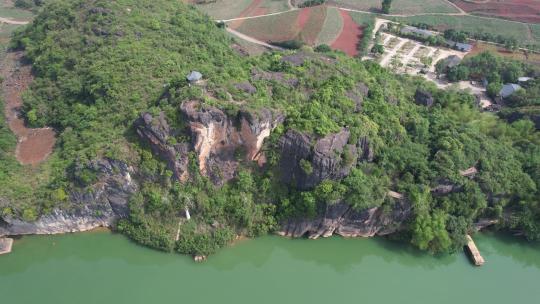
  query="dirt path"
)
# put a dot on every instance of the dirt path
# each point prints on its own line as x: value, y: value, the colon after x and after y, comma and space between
x: 461, y: 11
x: 253, y: 40
x: 11, y: 21
x: 34, y: 145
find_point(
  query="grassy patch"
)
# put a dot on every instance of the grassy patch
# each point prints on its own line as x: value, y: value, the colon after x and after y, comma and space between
x: 331, y: 28
x: 530, y: 58
x: 400, y: 6
x: 362, y: 18
x: 272, y: 28
x: 7, y: 11
x: 225, y: 9
x: 476, y: 25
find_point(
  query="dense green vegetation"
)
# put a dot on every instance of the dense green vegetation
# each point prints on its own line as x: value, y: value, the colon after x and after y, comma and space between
x: 99, y: 64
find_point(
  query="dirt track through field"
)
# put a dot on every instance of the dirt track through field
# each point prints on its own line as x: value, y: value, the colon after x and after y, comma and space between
x: 34, y: 145
x: 11, y: 21
x: 248, y: 12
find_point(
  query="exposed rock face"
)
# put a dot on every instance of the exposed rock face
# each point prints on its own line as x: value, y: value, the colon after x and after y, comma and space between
x: 365, y: 150
x: 423, y: 98
x: 358, y: 94
x: 156, y: 132
x: 100, y: 206
x: 329, y: 158
x: 246, y: 87
x: 274, y: 76
x: 220, y: 140
x: 341, y: 219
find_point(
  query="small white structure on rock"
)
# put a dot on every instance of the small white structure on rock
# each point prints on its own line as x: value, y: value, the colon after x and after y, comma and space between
x: 5, y: 245
x: 194, y: 77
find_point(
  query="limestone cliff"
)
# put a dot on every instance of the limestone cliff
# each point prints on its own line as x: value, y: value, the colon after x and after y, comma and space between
x: 98, y: 206
x: 330, y: 157
x: 341, y: 219
x: 219, y: 141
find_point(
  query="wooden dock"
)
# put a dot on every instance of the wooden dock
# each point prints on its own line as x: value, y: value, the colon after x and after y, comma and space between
x: 474, y: 253
x: 5, y: 245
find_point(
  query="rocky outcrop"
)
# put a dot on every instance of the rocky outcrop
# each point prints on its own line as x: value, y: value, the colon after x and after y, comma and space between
x: 305, y: 161
x: 341, y: 219
x: 99, y: 206
x: 423, y: 98
x: 358, y: 94
x: 156, y: 132
x: 221, y: 141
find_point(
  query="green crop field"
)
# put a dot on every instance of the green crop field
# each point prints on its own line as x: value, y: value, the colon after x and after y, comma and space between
x: 535, y: 31
x: 331, y: 28
x: 225, y: 9
x: 311, y: 30
x: 8, y: 11
x: 229, y: 9
x: 473, y: 24
x: 399, y: 6
x: 272, y: 28
x: 362, y: 18
x: 286, y: 26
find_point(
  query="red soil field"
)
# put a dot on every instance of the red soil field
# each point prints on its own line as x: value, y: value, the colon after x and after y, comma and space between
x: 253, y: 9
x: 312, y: 26
x: 518, y: 10
x: 304, y: 24
x: 303, y: 17
x: 34, y: 145
x: 349, y: 37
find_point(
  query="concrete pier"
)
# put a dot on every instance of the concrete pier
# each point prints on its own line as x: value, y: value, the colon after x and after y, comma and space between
x: 473, y: 251
x: 5, y: 245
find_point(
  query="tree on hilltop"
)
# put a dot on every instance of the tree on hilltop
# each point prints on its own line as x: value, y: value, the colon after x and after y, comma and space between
x: 386, y: 5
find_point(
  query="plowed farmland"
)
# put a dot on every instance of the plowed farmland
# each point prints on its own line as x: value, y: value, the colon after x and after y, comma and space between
x: 519, y: 10
x: 304, y: 24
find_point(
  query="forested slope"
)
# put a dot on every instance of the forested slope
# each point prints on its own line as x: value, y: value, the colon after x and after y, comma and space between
x: 110, y: 78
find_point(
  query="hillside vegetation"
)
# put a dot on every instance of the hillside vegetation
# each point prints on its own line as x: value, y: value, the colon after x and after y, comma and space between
x: 99, y: 64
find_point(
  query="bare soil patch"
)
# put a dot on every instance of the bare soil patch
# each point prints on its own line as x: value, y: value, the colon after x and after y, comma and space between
x: 34, y: 145
x: 348, y: 39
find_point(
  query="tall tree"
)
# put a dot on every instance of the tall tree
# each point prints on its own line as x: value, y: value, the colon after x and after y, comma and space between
x: 386, y: 5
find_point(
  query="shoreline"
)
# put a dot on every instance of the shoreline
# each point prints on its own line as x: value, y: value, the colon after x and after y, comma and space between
x: 6, y: 245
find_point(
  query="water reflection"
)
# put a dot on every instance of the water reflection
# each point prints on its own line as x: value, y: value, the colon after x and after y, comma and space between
x: 91, y: 247
x: 518, y: 249
x: 341, y: 255
x: 337, y: 253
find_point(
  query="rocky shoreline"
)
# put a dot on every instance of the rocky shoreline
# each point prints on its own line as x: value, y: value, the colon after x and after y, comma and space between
x: 5, y: 245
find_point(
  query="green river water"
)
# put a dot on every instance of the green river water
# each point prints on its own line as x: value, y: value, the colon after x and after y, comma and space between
x: 101, y: 267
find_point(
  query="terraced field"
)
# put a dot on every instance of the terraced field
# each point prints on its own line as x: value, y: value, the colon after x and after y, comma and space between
x: 399, y: 6
x: 332, y: 27
x: 230, y: 9
x: 304, y: 24
x: 525, y: 34
x: 519, y: 10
